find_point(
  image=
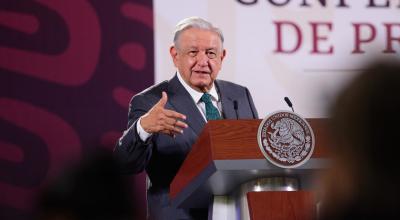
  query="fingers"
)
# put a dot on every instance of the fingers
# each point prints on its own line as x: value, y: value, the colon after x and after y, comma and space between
x: 180, y: 124
x: 176, y: 119
x: 174, y: 125
x: 162, y: 120
x: 170, y: 129
x: 174, y: 114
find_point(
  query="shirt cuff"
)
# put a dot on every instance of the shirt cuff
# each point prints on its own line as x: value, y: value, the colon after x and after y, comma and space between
x: 141, y: 132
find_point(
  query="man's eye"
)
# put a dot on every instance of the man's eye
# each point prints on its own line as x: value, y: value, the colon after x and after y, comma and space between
x: 211, y: 54
x: 192, y: 53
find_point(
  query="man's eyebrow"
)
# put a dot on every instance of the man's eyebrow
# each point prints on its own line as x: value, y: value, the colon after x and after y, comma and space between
x: 190, y: 49
x: 212, y: 48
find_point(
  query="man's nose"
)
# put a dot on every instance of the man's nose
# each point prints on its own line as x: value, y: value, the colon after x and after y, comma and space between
x: 202, y: 59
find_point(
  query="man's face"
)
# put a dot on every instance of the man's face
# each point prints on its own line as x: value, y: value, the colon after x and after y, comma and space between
x: 198, y: 56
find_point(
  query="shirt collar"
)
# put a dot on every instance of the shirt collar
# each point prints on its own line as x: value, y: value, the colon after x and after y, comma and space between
x: 196, y: 95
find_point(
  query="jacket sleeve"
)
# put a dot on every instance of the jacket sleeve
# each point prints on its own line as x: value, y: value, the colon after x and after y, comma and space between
x: 131, y: 152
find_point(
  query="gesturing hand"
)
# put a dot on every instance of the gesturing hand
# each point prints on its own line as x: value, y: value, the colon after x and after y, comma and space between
x: 159, y: 119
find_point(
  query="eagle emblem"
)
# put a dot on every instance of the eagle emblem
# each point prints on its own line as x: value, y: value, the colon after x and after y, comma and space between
x: 286, y: 139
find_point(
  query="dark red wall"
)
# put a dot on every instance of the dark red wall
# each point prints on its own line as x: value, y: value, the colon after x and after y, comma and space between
x: 67, y: 72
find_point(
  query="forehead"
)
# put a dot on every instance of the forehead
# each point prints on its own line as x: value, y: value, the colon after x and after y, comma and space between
x: 194, y: 37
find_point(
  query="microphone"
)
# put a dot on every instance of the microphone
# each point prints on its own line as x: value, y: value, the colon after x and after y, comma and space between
x: 235, y: 106
x: 289, y: 103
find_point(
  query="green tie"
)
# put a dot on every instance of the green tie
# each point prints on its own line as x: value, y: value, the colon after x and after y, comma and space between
x: 211, y: 112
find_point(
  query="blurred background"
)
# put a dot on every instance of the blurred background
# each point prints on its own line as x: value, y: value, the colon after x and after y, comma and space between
x: 69, y: 68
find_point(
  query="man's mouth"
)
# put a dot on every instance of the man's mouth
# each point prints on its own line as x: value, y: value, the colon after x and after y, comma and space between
x: 201, y: 72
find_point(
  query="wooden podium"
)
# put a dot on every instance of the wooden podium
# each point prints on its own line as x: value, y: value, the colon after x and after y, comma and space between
x: 226, y: 155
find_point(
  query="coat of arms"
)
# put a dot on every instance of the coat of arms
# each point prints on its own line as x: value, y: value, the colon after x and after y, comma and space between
x: 286, y: 139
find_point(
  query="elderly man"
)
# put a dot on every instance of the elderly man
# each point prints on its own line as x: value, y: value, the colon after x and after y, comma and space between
x: 166, y: 119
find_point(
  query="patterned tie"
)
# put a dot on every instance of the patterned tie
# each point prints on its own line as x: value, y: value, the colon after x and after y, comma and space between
x: 211, y: 111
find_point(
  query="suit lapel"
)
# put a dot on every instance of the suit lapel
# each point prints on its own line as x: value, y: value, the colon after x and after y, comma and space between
x: 226, y: 101
x: 183, y: 103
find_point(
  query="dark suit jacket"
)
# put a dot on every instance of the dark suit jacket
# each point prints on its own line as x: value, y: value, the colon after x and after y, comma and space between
x: 162, y: 155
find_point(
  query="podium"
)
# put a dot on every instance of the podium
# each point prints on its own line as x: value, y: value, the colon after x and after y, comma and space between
x: 226, y: 158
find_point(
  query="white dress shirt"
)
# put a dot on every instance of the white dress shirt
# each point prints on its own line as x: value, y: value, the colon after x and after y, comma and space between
x: 196, y: 96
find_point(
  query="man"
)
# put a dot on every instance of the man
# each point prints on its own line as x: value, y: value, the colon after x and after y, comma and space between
x: 166, y: 119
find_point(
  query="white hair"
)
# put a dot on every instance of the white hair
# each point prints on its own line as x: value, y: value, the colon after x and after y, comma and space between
x: 195, y: 22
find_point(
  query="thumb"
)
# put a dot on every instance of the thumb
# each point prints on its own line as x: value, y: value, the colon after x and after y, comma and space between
x: 163, y: 99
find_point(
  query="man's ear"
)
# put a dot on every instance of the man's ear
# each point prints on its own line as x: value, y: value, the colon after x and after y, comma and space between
x: 173, y: 52
x: 223, y: 55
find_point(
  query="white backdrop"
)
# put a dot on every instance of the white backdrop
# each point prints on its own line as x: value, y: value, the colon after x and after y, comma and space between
x: 309, y: 79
